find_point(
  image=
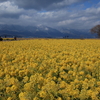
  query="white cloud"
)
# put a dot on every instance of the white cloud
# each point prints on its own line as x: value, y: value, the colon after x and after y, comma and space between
x: 12, y: 14
x: 66, y: 22
x: 9, y: 8
x: 83, y: 18
x: 25, y: 17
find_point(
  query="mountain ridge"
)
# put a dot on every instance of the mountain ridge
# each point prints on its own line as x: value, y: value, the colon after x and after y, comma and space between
x: 43, y: 32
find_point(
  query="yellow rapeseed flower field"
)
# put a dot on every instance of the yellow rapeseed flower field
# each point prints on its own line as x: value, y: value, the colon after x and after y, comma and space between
x: 50, y: 69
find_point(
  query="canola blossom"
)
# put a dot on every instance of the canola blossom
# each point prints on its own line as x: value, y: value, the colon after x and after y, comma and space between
x: 50, y: 69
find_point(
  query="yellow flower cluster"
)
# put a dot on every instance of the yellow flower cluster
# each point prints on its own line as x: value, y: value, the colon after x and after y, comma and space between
x: 8, y: 39
x: 50, y: 69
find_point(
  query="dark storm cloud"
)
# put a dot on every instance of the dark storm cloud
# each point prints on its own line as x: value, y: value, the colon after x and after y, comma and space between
x: 35, y: 4
x: 10, y: 15
x: 45, y: 4
x: 3, y: 0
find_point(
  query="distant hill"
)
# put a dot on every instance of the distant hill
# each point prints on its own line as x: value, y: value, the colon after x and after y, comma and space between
x: 43, y: 32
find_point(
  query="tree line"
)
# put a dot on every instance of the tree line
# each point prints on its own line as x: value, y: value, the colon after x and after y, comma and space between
x: 1, y: 39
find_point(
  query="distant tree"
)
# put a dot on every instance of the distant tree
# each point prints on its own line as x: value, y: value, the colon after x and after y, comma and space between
x: 96, y: 29
x: 1, y: 39
x: 15, y: 38
x: 65, y: 36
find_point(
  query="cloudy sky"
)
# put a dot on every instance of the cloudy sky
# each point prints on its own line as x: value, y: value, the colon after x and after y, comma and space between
x: 76, y: 14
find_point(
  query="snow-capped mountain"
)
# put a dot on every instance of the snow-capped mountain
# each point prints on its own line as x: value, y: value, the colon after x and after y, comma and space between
x: 29, y: 31
x: 42, y: 31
